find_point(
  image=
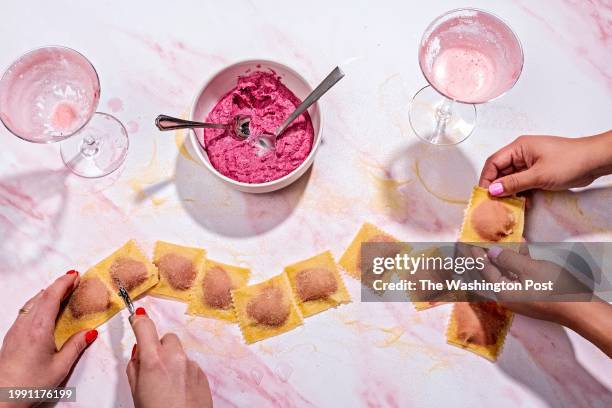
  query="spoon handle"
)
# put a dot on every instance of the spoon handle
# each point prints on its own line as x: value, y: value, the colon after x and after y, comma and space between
x: 314, y: 96
x: 165, y: 122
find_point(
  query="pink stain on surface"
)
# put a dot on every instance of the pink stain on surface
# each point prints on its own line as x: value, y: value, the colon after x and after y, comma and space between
x: 549, y: 348
x: 588, y: 24
x: 237, y: 375
x: 115, y: 105
x: 132, y: 127
x: 11, y: 195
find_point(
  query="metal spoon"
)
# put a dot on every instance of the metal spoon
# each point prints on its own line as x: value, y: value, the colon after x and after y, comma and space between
x: 239, y: 126
x: 267, y: 141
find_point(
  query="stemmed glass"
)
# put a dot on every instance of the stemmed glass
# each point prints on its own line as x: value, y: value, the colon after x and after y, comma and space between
x: 50, y: 95
x: 469, y: 57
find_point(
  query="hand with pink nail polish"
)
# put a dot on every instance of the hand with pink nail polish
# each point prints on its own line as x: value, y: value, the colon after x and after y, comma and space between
x: 586, y: 314
x: 548, y: 163
x: 28, y: 357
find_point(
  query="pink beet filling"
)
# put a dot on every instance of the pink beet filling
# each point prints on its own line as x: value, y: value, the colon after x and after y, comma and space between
x: 262, y: 96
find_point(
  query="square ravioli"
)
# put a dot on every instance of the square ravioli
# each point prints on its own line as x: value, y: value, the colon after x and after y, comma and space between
x: 129, y: 266
x: 92, y: 303
x: 351, y: 259
x: 316, y: 284
x: 480, y: 327
x: 433, y: 271
x: 266, y: 309
x: 178, y: 268
x: 211, y: 295
x: 491, y: 219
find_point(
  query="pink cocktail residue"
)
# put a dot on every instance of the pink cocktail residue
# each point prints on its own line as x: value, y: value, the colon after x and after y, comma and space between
x: 464, y: 73
x: 470, y: 56
x: 269, y: 102
x: 63, y: 116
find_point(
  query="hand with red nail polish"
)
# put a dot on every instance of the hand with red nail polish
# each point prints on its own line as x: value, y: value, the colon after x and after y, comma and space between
x: 160, y: 373
x: 548, y: 163
x: 28, y: 357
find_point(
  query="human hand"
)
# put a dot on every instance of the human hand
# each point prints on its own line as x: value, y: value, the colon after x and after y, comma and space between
x: 160, y: 373
x: 28, y: 357
x: 547, y: 162
x: 509, y: 266
x: 588, y: 315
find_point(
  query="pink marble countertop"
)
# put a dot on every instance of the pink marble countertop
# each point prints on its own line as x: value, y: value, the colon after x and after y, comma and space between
x: 152, y: 58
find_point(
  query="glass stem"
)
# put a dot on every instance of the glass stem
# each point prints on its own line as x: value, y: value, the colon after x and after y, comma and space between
x: 90, y: 146
x: 443, y: 114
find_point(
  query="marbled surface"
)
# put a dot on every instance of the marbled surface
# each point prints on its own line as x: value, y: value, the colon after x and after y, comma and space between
x: 152, y: 56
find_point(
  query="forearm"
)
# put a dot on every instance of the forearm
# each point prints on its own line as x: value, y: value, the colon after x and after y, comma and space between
x: 600, y: 153
x: 592, y: 320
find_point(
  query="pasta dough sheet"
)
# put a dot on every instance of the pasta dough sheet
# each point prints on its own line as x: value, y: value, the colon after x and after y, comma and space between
x: 317, y: 284
x: 178, y: 267
x: 515, y: 207
x: 210, y: 295
x: 425, y: 299
x: 351, y: 259
x: 420, y: 306
x: 480, y: 327
x: 134, y: 267
x: 266, y: 309
x: 131, y: 267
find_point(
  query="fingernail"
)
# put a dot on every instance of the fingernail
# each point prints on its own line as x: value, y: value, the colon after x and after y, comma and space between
x: 133, y: 351
x: 494, y: 252
x: 91, y: 336
x: 496, y: 189
x: 72, y: 272
x: 141, y: 311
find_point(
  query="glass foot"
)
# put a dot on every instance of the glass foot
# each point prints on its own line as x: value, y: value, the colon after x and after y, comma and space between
x: 440, y: 121
x: 98, y: 149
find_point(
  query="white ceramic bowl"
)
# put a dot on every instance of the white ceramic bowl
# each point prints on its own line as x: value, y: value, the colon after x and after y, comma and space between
x: 220, y: 84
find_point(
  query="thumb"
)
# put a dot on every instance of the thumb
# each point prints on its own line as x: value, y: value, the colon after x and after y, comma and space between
x: 515, y: 183
x: 73, y: 348
x: 510, y: 261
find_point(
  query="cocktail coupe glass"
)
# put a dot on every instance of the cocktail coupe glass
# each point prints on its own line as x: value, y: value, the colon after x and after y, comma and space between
x: 469, y: 57
x: 50, y: 95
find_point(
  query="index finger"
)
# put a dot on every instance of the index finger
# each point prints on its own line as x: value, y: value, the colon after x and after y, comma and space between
x: 146, y: 333
x: 489, y: 272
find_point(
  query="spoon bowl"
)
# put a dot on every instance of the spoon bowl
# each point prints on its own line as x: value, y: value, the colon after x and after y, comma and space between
x: 239, y: 126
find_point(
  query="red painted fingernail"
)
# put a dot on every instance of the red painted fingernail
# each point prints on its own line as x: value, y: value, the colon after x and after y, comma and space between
x: 496, y: 189
x: 133, y: 351
x: 91, y: 336
x: 72, y: 272
x: 141, y: 311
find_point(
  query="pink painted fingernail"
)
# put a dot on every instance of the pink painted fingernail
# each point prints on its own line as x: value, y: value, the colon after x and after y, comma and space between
x: 141, y: 311
x: 494, y: 252
x: 496, y: 189
x: 72, y: 272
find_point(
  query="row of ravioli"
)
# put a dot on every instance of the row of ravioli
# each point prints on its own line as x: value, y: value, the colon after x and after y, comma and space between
x: 209, y: 288
x: 217, y: 290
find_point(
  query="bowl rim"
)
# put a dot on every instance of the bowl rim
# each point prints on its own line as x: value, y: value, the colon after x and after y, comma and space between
x: 200, y: 150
